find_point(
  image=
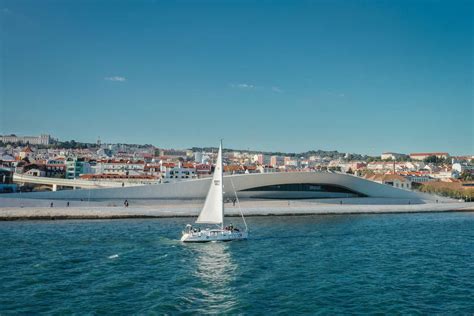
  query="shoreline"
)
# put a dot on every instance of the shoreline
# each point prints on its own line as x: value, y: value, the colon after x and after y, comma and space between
x: 114, y: 217
x: 249, y: 208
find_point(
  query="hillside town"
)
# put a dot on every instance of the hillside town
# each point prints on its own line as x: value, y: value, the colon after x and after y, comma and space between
x: 124, y: 164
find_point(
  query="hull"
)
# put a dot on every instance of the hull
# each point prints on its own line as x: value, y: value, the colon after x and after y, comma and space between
x: 214, y: 235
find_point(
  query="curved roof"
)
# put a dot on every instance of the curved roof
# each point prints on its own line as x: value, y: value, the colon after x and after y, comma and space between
x: 198, y: 188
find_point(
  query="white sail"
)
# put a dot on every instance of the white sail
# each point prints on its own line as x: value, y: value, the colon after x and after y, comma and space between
x: 213, y: 210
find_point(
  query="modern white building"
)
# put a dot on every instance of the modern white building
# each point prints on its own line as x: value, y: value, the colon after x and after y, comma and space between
x: 278, y: 185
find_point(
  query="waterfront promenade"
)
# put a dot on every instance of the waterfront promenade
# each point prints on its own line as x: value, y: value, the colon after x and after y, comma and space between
x: 15, y: 209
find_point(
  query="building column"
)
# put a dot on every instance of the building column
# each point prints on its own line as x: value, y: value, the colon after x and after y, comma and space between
x: 55, y: 187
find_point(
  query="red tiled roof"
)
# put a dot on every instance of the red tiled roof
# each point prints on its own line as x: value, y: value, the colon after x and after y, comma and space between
x: 233, y: 168
x: 168, y: 164
x: 428, y: 154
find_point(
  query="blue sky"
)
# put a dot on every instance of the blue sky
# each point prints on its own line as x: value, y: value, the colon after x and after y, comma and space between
x: 355, y: 76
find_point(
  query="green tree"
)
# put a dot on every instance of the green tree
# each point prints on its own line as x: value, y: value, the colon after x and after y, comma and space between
x: 431, y: 159
x: 466, y: 176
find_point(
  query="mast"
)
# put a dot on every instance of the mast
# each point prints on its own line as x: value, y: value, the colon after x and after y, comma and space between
x: 222, y: 184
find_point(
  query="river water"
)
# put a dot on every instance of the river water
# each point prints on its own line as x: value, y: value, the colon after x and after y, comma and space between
x: 384, y: 263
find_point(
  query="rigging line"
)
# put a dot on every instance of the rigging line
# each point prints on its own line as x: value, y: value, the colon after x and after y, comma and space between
x: 238, y: 203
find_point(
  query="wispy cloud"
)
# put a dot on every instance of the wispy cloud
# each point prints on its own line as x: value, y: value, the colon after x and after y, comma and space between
x: 249, y: 86
x: 335, y: 94
x: 243, y: 86
x: 116, y: 78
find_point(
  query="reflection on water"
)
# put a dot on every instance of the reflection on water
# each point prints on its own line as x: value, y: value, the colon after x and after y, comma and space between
x: 351, y: 264
x: 216, y: 271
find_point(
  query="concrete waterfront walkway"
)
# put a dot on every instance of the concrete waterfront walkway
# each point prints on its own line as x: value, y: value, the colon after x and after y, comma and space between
x: 15, y: 209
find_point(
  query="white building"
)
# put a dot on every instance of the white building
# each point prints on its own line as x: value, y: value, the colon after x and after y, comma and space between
x: 276, y: 161
x: 291, y: 162
x: 43, y: 139
x: 380, y: 166
x: 423, y: 156
x: 261, y: 159
x: 198, y: 157
x: 420, y: 178
x: 273, y: 185
x: 35, y: 172
x: 392, y: 156
x: 445, y: 175
x: 462, y: 167
x: 123, y: 167
x: 75, y: 167
x: 178, y: 173
x: 393, y: 180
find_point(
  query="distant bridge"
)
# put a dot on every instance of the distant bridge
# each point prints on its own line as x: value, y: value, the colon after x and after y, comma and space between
x: 55, y: 183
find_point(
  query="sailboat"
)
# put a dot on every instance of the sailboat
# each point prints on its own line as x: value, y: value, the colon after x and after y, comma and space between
x: 213, y: 213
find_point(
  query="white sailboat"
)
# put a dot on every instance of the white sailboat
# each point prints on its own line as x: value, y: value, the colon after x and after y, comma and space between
x: 213, y: 213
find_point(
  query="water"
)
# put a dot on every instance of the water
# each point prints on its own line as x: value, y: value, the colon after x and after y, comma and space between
x: 397, y: 263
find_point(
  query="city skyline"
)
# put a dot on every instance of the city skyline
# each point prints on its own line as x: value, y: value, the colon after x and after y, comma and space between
x: 363, y: 77
x: 41, y: 139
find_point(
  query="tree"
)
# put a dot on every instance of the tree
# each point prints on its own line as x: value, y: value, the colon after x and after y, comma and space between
x: 433, y: 159
x: 466, y: 176
x: 372, y: 159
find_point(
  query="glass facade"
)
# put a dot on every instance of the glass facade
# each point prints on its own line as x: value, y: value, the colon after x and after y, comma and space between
x: 305, y: 187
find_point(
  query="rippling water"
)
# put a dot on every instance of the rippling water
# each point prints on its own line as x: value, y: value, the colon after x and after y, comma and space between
x: 398, y: 263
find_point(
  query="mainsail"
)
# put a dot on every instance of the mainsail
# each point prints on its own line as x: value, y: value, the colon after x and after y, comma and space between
x: 213, y: 210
